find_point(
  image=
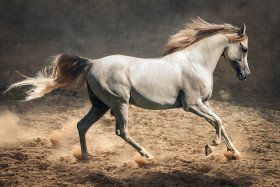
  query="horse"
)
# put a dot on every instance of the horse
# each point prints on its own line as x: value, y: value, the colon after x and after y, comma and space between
x: 181, y: 78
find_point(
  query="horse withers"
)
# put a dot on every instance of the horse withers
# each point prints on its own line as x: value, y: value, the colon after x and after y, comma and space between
x: 181, y: 78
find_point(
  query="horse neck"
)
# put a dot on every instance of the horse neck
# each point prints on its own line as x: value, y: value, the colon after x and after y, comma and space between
x: 204, y: 53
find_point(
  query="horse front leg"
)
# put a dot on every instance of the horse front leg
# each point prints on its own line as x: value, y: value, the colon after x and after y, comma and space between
x: 230, y: 147
x: 229, y: 144
x: 200, y: 109
x: 121, y: 114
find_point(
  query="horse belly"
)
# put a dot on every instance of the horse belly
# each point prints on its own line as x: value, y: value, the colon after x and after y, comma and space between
x: 154, y: 101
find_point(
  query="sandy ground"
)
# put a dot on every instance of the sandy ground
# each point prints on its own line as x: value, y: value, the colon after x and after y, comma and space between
x: 174, y: 137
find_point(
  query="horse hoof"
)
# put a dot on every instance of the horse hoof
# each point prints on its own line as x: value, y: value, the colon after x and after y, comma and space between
x: 208, y: 150
x: 143, y: 160
x: 236, y: 156
x: 232, y: 156
x: 152, y: 161
x: 149, y: 156
x: 86, y: 156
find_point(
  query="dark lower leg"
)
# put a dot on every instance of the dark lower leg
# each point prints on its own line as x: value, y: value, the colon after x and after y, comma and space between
x: 85, y: 123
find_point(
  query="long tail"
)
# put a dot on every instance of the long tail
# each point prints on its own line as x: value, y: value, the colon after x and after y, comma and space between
x: 68, y: 72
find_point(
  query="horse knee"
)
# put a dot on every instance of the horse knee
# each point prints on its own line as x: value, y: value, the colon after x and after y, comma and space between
x: 217, y: 123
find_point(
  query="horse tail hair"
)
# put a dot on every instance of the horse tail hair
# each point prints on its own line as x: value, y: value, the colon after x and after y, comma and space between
x: 66, y: 72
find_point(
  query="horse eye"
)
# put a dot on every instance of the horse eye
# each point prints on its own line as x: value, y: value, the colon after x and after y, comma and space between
x: 244, y: 50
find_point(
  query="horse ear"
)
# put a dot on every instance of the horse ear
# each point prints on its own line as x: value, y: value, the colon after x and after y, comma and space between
x: 243, y: 29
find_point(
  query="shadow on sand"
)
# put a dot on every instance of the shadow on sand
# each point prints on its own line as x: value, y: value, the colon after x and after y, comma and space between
x: 174, y: 178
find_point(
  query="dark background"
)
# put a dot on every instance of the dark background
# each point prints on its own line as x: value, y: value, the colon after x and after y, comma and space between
x: 32, y: 31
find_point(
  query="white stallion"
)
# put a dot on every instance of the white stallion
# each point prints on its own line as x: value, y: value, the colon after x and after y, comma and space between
x: 182, y: 77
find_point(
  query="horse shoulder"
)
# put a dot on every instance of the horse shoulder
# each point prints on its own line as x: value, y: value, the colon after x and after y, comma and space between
x: 197, y: 84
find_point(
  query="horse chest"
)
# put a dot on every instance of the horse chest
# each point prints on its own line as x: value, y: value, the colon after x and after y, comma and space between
x: 198, y: 86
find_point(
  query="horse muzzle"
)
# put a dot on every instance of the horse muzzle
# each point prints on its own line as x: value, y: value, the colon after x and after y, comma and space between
x: 243, y: 76
x: 242, y: 71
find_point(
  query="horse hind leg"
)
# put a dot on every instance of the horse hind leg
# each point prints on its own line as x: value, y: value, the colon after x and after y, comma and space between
x: 121, y: 115
x: 97, y: 110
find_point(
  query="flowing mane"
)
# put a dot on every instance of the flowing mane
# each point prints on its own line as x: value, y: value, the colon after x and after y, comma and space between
x: 198, y: 29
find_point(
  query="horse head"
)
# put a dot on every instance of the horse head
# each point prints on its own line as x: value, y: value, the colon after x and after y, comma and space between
x: 236, y: 53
